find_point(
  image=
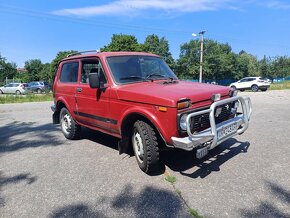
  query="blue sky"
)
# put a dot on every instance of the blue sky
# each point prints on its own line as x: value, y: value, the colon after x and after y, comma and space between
x: 39, y: 29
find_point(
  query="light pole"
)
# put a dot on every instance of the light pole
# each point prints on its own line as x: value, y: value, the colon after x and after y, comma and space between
x: 201, y: 34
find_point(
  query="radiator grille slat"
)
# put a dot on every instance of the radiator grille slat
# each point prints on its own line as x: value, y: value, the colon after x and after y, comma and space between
x: 201, y: 122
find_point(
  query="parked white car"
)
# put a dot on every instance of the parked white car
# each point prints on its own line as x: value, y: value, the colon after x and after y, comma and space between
x: 13, y: 88
x: 252, y: 83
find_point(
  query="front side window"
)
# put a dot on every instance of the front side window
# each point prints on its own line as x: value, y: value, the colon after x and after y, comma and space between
x: 135, y: 68
x: 69, y: 72
x: 92, y: 66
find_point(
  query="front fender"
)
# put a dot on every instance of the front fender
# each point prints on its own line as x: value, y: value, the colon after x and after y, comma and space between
x: 152, y: 114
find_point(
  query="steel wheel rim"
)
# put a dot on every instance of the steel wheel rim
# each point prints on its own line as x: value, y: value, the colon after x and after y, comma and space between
x: 138, y: 146
x: 255, y: 88
x: 66, y: 123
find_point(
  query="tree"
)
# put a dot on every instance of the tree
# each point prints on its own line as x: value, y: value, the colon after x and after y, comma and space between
x: 264, y: 67
x: 123, y: 43
x: 44, y: 74
x: 188, y: 62
x: 34, y: 67
x: 218, y: 62
x: 159, y: 47
x: 246, y: 65
x: 7, y: 69
x: 280, y: 67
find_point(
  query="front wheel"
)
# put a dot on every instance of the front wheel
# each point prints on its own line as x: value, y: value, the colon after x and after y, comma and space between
x: 69, y: 127
x: 255, y: 88
x: 1, y: 92
x: 18, y: 92
x: 145, y: 146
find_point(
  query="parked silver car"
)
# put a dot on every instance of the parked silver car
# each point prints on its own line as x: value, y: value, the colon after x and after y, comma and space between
x: 13, y: 88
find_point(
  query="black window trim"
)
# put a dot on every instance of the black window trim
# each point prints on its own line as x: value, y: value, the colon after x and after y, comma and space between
x: 90, y: 59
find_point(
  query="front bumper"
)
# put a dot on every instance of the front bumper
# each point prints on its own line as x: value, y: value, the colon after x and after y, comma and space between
x: 210, y: 136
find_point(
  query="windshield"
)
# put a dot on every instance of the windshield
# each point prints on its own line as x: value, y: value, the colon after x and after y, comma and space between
x: 135, y: 68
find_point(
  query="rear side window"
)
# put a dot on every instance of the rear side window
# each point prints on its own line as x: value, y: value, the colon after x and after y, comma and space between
x: 69, y: 72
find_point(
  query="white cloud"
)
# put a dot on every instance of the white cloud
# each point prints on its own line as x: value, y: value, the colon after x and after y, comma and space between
x: 133, y: 7
x: 276, y: 4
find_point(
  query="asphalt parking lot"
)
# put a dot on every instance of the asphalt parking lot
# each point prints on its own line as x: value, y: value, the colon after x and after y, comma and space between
x: 44, y: 175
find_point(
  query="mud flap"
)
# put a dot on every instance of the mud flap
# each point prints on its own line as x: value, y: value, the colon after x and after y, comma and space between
x: 123, y: 146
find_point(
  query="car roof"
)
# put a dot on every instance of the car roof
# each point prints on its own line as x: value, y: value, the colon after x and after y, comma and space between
x: 107, y: 54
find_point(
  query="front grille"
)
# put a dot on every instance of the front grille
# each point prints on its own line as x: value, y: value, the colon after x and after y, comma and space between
x: 201, y: 122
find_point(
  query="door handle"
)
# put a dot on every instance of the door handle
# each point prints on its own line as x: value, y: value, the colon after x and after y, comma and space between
x: 79, y: 89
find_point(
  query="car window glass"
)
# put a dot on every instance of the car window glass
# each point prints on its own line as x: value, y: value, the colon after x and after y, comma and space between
x: 135, y: 68
x: 69, y: 72
x: 243, y: 80
x: 92, y: 66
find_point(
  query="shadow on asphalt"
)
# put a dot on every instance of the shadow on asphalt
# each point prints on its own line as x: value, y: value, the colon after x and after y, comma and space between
x: 149, y: 202
x: 267, y: 209
x: 100, y: 138
x: 23, y: 177
x: 34, y: 136
x: 181, y: 161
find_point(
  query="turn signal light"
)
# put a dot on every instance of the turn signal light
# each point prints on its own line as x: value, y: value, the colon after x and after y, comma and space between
x: 162, y: 109
x: 183, y: 104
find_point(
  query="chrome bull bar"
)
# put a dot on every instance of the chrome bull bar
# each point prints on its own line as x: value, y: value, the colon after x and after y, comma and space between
x: 210, y: 135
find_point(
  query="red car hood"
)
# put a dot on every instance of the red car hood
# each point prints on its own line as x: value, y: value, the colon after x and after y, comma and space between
x: 158, y: 93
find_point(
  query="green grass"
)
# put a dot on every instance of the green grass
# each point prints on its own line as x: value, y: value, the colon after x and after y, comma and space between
x: 194, y: 213
x: 280, y: 86
x: 6, y: 99
x: 171, y: 179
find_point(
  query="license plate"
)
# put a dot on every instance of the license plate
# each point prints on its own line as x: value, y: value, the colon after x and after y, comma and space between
x: 200, y: 153
x: 227, y: 130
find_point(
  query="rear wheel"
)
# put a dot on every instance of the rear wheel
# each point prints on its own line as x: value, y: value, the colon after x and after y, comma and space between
x: 38, y: 91
x: 69, y: 127
x: 255, y: 88
x: 145, y: 146
x: 18, y: 92
x: 1, y: 92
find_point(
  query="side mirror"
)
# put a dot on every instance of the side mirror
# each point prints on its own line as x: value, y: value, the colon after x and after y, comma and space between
x: 94, y: 80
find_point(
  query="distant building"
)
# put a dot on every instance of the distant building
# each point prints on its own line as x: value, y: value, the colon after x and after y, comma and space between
x: 21, y: 70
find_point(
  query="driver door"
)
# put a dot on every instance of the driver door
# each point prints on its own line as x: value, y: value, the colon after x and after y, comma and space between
x: 92, y: 104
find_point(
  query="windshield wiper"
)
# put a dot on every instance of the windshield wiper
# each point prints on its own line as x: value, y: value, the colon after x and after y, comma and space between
x: 154, y: 75
x: 131, y: 77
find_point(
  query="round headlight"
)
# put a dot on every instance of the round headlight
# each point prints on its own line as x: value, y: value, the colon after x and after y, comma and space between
x: 182, y: 122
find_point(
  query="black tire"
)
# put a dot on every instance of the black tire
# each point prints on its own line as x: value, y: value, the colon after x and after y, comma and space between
x: 144, y: 137
x: 18, y: 92
x: 69, y: 127
x: 234, y: 88
x: 255, y: 88
x: 38, y: 91
x: 1, y: 92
